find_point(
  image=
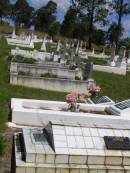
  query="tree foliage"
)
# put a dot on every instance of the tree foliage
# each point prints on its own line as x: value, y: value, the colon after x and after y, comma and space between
x: 112, y: 34
x: 22, y: 13
x: 5, y: 7
x: 122, y: 8
x: 95, y: 11
x: 44, y: 17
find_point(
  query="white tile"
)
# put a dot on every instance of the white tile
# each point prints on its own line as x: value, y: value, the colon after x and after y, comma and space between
x: 59, y: 132
x: 50, y: 158
x: 62, y: 151
x: 80, y: 141
x: 62, y: 159
x: 74, y: 170
x: 69, y: 130
x: 40, y: 158
x: 116, y: 171
x: 41, y: 170
x: 71, y: 142
x: 30, y: 158
x: 60, y: 138
x: 125, y: 133
x: 20, y: 170
x: 78, y: 151
x: 117, y: 133
x: 60, y: 144
x: 30, y: 170
x: 86, y: 132
x: 89, y: 142
x: 77, y: 131
x: 83, y: 171
x: 98, y: 142
x: 64, y: 170
x: 113, y: 160
x: 96, y: 160
x: 94, y: 132
x: 50, y: 170
x: 110, y: 132
x: 58, y: 170
x: 102, y: 132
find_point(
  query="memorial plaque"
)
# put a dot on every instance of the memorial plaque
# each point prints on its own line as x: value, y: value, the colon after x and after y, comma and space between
x: 117, y: 143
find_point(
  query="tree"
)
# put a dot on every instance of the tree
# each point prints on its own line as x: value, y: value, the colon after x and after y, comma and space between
x: 122, y: 8
x: 98, y: 36
x: 69, y: 23
x: 5, y: 7
x: 112, y: 34
x: 95, y: 11
x: 54, y: 28
x: 44, y: 17
x: 22, y: 13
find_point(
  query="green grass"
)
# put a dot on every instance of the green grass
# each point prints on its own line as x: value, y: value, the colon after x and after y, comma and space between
x: 115, y: 86
x: 8, y: 91
x: 96, y: 61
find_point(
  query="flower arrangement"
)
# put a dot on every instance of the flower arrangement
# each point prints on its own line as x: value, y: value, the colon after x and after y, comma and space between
x: 73, y: 99
x: 94, y: 90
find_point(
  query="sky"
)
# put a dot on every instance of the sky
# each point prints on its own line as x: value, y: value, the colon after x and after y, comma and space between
x: 63, y: 6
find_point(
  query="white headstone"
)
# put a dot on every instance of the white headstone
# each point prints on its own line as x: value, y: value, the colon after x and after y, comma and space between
x: 93, y: 51
x: 56, y: 58
x: 58, y: 46
x: 43, y: 47
x: 13, y: 33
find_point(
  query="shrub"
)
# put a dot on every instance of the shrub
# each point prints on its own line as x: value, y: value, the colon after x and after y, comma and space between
x: 48, y: 75
x: 23, y: 73
x: 20, y: 59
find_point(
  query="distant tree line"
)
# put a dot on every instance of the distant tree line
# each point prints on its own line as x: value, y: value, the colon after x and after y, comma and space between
x: 82, y: 20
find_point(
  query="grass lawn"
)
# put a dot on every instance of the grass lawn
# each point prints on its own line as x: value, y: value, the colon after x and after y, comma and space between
x: 96, y: 61
x: 115, y: 86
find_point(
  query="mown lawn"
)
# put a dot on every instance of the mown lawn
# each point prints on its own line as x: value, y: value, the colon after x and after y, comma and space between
x: 115, y: 86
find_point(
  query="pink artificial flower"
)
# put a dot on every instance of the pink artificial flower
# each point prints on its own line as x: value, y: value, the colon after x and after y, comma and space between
x: 71, y: 98
x: 81, y: 98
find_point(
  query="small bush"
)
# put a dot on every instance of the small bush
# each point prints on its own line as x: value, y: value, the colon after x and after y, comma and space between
x: 23, y: 73
x: 20, y: 59
x: 48, y: 75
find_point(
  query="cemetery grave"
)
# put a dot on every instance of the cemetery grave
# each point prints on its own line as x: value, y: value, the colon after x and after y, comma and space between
x: 114, y: 86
